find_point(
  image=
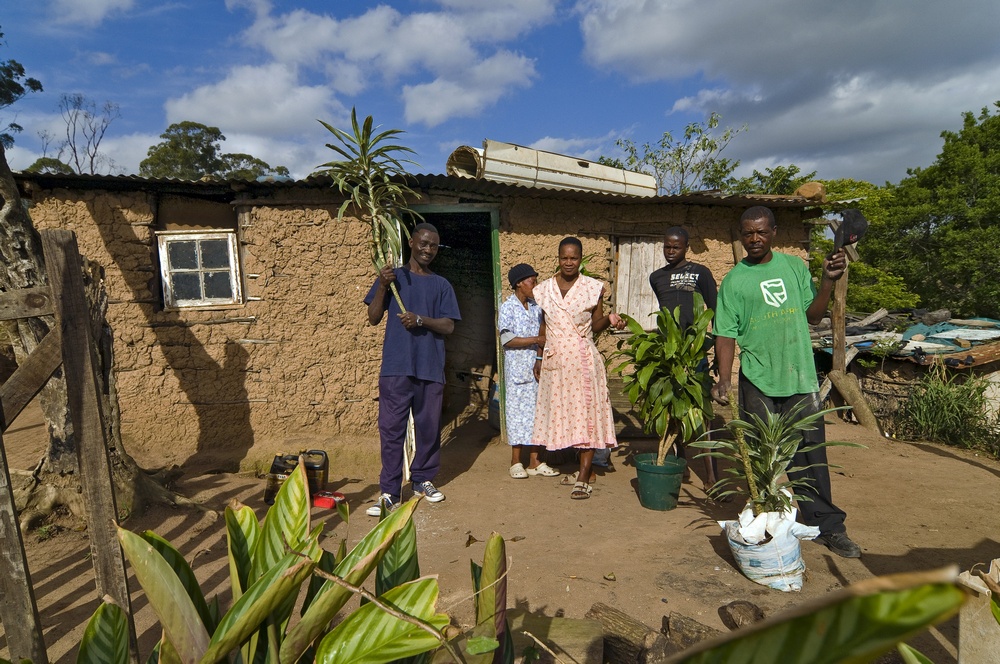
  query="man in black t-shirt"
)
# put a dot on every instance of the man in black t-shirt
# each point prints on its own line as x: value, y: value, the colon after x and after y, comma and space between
x: 674, y: 285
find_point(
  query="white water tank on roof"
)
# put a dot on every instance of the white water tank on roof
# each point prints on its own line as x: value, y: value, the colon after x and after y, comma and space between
x: 516, y: 164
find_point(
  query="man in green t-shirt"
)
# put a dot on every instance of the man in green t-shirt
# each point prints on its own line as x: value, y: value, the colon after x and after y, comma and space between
x: 765, y: 305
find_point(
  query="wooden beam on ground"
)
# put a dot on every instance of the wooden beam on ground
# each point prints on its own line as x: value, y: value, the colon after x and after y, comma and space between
x: 849, y: 388
x: 29, y: 378
x: 18, y: 612
x: 62, y: 258
x: 26, y: 303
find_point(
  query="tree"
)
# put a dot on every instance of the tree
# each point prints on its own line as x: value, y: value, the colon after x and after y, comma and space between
x: 683, y: 165
x: 49, y: 165
x: 939, y: 228
x: 191, y: 151
x: 85, y: 129
x: 14, y: 84
x: 777, y: 180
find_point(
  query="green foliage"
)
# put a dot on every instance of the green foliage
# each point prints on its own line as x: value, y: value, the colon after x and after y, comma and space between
x: 491, y: 640
x: 49, y: 165
x: 778, y: 180
x: 191, y: 151
x: 105, y: 640
x: 269, y: 563
x: 761, y: 453
x: 939, y: 228
x: 682, y: 165
x: 952, y: 409
x: 372, y: 176
x: 660, y: 375
x: 868, y: 288
x: 856, y: 624
x: 14, y: 84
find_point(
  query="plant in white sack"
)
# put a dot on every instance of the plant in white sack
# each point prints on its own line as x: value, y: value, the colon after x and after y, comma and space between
x: 765, y: 537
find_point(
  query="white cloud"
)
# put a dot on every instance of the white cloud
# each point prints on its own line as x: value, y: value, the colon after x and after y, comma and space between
x: 591, y: 148
x: 87, y: 12
x: 267, y: 100
x: 478, y: 87
x: 857, y: 86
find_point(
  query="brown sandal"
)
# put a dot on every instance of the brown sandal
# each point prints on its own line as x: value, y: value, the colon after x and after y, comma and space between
x: 581, y: 491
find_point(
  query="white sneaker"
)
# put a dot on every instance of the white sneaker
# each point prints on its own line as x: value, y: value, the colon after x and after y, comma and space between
x: 385, y: 502
x: 428, y: 491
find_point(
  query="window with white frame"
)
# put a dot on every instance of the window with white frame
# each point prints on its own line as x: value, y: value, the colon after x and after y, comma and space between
x: 199, y: 269
x: 638, y: 257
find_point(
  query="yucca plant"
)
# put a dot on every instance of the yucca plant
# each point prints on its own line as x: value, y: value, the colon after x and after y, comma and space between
x: 269, y: 563
x: 660, y: 372
x: 369, y: 175
x: 761, y: 453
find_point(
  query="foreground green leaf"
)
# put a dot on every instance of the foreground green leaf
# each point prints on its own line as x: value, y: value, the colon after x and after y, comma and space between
x: 105, y: 640
x: 855, y: 624
x: 370, y: 635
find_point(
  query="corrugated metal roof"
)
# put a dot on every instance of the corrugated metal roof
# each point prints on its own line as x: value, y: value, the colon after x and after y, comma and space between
x: 422, y: 181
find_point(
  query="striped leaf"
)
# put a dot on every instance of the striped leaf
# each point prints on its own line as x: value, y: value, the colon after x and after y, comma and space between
x: 855, y: 624
x: 258, y: 602
x: 167, y: 595
x: 242, y: 534
x: 354, y: 568
x: 370, y: 635
x: 184, y: 573
x: 286, y: 524
x: 105, y: 640
x: 399, y: 564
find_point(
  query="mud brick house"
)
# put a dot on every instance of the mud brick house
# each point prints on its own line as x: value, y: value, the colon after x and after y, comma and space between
x: 237, y: 306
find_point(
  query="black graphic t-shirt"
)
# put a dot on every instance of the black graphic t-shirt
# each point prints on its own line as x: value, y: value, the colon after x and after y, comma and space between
x: 676, y: 287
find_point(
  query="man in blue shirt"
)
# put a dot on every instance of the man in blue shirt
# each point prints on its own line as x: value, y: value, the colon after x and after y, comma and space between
x: 412, y: 375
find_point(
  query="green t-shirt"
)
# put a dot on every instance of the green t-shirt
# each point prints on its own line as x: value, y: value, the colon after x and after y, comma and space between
x: 763, y: 306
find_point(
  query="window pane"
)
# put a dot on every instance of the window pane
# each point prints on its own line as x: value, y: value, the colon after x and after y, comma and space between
x: 185, y: 285
x: 183, y: 255
x: 217, y: 285
x: 215, y: 254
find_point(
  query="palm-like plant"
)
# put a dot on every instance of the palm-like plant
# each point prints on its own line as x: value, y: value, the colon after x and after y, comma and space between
x: 660, y: 374
x: 369, y: 175
x: 761, y: 453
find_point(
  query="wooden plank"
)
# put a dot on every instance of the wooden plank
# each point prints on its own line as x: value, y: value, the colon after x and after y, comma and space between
x: 849, y: 388
x: 18, y: 611
x: 26, y: 303
x: 838, y: 319
x: 873, y: 318
x: 824, y: 389
x: 62, y: 257
x: 29, y: 378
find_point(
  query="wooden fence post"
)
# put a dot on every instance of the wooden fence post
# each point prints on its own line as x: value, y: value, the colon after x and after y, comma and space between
x: 64, y: 266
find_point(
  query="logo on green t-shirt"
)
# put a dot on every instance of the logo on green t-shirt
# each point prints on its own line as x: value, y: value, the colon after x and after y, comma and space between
x: 774, y: 292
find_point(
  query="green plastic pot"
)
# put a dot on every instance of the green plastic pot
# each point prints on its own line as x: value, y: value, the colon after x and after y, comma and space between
x: 659, y: 486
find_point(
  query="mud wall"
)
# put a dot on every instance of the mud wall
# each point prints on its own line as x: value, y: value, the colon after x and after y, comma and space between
x: 299, y: 361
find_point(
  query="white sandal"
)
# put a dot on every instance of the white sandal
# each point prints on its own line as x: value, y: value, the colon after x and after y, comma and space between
x: 517, y: 472
x: 543, y: 469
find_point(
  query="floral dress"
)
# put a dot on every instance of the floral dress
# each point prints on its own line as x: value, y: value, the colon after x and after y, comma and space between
x: 573, y: 408
x: 520, y: 387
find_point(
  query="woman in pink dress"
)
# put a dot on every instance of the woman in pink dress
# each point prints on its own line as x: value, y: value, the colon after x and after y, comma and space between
x: 573, y: 408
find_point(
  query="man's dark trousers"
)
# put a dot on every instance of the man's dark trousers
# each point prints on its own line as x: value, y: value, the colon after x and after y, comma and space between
x: 396, y: 396
x: 820, y: 511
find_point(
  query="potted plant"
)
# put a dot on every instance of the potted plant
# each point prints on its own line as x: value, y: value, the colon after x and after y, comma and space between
x: 765, y: 537
x: 665, y: 377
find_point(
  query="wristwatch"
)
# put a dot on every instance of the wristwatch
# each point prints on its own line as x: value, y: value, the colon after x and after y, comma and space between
x: 420, y: 321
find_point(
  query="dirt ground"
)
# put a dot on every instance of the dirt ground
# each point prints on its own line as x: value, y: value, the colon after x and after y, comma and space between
x: 910, y: 507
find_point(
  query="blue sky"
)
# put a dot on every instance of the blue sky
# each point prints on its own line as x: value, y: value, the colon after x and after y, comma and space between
x: 856, y: 88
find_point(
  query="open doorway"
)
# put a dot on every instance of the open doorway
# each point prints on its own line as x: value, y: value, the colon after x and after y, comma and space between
x: 467, y: 259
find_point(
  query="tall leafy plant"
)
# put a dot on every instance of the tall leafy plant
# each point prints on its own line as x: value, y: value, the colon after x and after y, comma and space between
x: 372, y: 175
x: 660, y: 372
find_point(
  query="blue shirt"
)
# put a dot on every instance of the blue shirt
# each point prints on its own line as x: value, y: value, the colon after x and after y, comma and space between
x: 516, y: 321
x: 417, y: 353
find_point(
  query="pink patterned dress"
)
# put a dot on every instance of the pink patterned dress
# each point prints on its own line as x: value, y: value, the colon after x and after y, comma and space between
x: 573, y: 408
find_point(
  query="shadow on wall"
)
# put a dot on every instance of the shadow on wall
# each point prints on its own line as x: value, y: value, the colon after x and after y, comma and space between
x: 215, y: 390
